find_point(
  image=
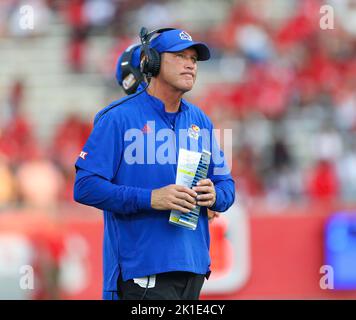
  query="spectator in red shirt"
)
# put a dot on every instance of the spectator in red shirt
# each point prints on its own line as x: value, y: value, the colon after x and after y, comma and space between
x: 17, y: 141
x: 323, y: 182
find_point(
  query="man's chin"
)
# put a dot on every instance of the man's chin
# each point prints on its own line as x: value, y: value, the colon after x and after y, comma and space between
x: 183, y: 86
x: 186, y: 87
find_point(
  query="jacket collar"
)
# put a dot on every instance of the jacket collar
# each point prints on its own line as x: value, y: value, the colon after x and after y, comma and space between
x: 159, y: 105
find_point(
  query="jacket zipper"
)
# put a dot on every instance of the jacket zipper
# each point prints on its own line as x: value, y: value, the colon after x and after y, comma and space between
x: 173, y: 127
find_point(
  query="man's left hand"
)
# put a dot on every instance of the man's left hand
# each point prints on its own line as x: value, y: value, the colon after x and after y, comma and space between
x: 207, y: 197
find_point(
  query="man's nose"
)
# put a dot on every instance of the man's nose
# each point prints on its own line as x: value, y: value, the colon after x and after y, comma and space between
x: 189, y: 64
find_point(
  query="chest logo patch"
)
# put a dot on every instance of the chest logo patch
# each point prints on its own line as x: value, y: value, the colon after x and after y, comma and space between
x: 193, y: 132
x: 146, y: 129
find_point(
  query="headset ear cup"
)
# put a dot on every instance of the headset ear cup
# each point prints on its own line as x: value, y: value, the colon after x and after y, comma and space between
x: 154, y: 62
x: 144, y: 64
x: 134, y: 78
x: 138, y: 79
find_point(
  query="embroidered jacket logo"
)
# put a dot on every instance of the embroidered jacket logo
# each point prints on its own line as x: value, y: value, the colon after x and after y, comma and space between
x: 83, y: 154
x: 193, y: 131
x: 146, y: 129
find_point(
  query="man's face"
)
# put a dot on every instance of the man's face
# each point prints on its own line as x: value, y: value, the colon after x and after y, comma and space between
x: 179, y: 69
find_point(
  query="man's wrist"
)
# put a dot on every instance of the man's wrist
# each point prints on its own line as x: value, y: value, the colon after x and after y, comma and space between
x: 212, y: 207
x: 144, y: 199
x: 213, y: 202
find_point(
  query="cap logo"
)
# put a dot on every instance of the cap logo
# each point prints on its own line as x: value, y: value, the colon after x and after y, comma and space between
x: 185, y: 36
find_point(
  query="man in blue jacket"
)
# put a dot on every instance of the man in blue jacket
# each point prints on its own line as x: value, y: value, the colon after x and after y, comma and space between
x: 128, y: 167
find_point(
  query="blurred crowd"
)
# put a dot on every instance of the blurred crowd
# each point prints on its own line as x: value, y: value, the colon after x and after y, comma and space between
x: 288, y: 91
x: 32, y: 174
x: 292, y: 105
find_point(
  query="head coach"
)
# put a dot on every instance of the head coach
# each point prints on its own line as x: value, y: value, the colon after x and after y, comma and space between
x: 144, y: 256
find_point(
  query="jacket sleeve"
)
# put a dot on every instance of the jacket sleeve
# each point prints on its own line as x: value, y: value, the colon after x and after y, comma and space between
x: 219, y: 173
x: 96, y: 167
x: 225, y: 195
x: 93, y: 190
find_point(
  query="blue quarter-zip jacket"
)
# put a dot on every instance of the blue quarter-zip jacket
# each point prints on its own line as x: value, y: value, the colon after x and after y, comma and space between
x: 132, y: 150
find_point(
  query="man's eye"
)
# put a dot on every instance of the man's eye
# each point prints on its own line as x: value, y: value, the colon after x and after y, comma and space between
x: 183, y: 56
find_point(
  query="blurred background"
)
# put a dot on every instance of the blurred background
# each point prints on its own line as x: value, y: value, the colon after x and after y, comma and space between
x: 286, y: 88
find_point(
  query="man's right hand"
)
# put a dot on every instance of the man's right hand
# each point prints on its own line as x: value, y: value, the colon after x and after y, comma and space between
x: 173, y: 197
